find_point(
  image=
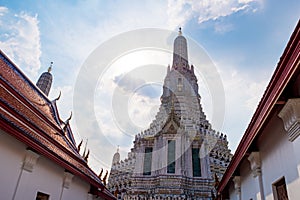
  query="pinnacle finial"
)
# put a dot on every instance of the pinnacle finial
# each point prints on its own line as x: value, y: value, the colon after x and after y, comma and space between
x: 50, y: 67
x: 57, y: 98
x: 118, y: 148
x: 179, y: 32
x: 67, y: 121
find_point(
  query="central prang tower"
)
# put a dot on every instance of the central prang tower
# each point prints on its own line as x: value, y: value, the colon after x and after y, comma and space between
x: 179, y: 155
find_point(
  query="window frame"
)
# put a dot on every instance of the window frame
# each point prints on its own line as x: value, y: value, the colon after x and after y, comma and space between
x: 42, y: 196
x: 275, y: 186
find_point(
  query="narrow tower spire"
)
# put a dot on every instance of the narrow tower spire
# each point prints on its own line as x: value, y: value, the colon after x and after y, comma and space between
x: 116, y: 157
x: 45, y: 81
x: 180, y: 54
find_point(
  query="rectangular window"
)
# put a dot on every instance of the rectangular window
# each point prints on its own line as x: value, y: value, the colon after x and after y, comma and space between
x: 179, y: 81
x: 171, y: 157
x: 42, y: 196
x: 196, y: 162
x: 147, y: 161
x: 279, y: 190
x: 179, y: 85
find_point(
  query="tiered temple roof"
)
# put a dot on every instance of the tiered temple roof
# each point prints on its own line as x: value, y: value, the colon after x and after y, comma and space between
x: 27, y: 114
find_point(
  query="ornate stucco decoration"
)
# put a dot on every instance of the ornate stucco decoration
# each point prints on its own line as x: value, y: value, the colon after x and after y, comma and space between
x: 255, y: 164
x: 30, y: 160
x: 290, y: 115
x: 67, y: 179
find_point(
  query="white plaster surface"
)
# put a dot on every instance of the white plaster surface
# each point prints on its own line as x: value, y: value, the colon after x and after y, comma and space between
x: 46, y: 176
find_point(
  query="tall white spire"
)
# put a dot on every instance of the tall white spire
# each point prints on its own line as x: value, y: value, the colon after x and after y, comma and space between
x: 180, y: 54
x: 116, y: 157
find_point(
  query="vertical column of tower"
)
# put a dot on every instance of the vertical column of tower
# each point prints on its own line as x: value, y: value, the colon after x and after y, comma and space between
x: 205, y: 165
x: 189, y: 162
x: 139, y: 164
x: 178, y: 155
x: 155, y: 158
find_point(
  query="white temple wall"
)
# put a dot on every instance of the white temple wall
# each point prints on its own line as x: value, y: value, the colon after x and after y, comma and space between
x: 78, y: 189
x: 249, y: 184
x: 46, y: 176
x: 12, y: 154
x: 279, y: 159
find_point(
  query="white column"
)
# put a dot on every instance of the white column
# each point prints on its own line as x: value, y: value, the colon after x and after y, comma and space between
x: 139, y: 164
x: 255, y: 163
x: 237, y: 186
x: 161, y: 153
x: 188, y: 154
x: 155, y: 158
x: 204, y: 156
x: 182, y: 158
x: 164, y: 155
x: 178, y: 154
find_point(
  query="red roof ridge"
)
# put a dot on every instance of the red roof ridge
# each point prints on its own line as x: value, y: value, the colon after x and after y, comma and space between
x: 32, y: 118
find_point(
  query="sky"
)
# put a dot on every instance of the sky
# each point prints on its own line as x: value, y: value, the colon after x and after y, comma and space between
x: 242, y: 39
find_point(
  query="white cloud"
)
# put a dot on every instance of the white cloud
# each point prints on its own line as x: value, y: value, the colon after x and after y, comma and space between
x: 20, y: 40
x: 243, y: 92
x: 3, y: 10
x: 115, y: 124
x: 255, y: 91
x: 223, y: 27
x: 180, y: 11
